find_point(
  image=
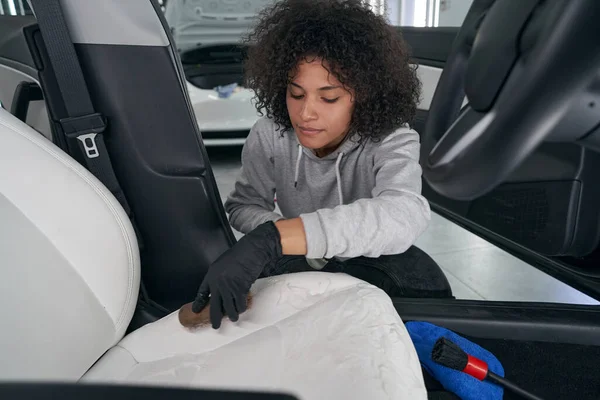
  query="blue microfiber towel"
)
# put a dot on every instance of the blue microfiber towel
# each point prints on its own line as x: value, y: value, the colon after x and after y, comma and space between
x: 424, y: 335
x: 226, y: 90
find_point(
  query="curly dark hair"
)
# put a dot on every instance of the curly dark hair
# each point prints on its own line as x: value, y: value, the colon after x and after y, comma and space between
x: 363, y: 51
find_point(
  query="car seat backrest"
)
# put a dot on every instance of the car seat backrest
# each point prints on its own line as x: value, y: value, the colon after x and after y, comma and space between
x: 69, y: 260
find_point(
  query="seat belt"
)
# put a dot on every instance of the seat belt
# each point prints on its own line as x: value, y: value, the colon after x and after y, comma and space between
x: 82, y: 123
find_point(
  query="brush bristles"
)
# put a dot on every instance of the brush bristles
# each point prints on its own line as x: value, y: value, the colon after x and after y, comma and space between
x: 449, y: 354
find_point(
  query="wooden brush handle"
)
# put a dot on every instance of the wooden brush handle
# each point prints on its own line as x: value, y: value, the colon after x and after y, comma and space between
x: 190, y: 319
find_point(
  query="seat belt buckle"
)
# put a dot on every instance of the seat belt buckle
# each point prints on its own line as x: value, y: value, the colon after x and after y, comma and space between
x: 85, y: 128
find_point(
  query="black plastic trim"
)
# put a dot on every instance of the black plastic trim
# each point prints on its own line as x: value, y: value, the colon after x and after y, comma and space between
x: 209, y: 176
x: 429, y: 46
x: 12, y: 41
x: 542, y: 322
x: 242, y: 134
x: 25, y: 93
x: 429, y: 63
x: 162, y: 165
x: 76, y: 391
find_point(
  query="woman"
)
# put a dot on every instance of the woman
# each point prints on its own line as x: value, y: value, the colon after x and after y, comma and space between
x: 336, y: 150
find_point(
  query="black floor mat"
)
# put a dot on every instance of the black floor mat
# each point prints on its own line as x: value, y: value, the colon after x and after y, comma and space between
x: 548, y: 370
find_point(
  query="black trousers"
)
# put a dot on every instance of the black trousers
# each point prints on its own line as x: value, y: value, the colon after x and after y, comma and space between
x: 410, y: 274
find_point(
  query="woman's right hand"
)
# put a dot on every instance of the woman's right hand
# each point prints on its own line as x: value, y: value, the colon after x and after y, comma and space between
x: 231, y: 276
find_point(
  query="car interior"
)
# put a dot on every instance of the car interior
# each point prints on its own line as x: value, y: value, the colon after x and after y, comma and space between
x: 96, y: 262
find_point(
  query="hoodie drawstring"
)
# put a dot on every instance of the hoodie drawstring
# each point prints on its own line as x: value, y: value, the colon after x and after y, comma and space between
x: 297, y: 165
x: 338, y: 174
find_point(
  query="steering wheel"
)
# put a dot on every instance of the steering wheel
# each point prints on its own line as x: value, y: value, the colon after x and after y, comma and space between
x: 530, y: 72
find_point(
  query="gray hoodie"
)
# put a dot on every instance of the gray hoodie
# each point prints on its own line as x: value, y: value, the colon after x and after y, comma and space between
x: 361, y: 200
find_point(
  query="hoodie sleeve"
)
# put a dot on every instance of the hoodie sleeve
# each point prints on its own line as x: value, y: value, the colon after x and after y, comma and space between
x: 389, y: 222
x: 251, y: 202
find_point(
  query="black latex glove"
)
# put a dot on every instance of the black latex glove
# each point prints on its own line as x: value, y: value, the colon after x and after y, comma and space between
x: 230, y: 277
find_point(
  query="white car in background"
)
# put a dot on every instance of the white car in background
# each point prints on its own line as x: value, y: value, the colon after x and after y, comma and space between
x: 208, y: 36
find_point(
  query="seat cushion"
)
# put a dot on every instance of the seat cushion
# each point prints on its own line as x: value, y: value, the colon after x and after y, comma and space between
x: 315, y: 335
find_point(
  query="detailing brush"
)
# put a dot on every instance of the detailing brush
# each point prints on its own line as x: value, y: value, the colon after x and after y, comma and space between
x: 200, y: 317
x: 450, y: 355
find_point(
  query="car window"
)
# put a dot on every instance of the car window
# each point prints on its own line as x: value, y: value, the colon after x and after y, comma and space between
x: 15, y: 7
x: 427, y: 13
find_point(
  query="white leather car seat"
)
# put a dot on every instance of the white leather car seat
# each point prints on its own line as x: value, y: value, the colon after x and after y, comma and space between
x: 69, y: 262
x: 69, y: 277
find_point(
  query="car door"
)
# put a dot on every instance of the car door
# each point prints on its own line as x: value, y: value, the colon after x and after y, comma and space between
x: 547, y: 212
